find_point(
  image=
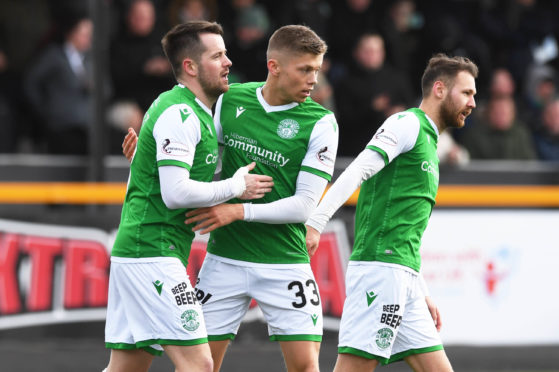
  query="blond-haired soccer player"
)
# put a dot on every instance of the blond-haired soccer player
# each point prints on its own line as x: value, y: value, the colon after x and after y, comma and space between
x: 387, y: 314
x: 151, y: 303
x: 262, y: 255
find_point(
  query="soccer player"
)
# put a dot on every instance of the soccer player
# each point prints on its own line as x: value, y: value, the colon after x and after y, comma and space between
x: 387, y: 314
x: 261, y: 253
x: 152, y: 305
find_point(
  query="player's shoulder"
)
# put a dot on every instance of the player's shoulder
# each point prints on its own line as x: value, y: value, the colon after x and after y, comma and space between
x: 313, y: 106
x: 408, y: 117
x: 235, y: 88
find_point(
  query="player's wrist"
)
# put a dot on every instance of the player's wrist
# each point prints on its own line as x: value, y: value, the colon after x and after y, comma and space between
x: 316, y: 224
x: 238, y: 182
x: 248, y: 212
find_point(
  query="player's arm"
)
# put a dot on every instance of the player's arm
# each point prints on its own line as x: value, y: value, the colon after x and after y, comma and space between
x: 433, y: 309
x: 176, y: 144
x: 397, y: 135
x: 316, y: 171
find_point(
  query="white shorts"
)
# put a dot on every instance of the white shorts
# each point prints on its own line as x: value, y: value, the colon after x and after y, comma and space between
x: 286, y: 293
x: 385, y: 315
x: 151, y: 303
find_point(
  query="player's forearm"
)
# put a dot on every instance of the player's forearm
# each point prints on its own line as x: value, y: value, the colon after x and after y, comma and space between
x: 366, y: 165
x: 293, y: 209
x: 179, y: 191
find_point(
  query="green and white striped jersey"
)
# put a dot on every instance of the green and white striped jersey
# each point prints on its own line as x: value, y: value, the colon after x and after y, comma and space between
x: 395, y: 204
x: 283, y: 141
x: 177, y: 130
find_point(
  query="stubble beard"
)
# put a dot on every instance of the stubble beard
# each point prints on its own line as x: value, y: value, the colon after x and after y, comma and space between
x: 212, y: 87
x: 450, y: 114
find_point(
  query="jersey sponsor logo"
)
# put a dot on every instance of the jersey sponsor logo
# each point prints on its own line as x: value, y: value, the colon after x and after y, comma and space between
x: 288, y: 128
x: 389, y: 316
x: 169, y: 147
x: 386, y: 137
x: 384, y: 338
x: 189, y: 320
x: 183, y: 295
x: 240, y: 110
x: 325, y: 157
x: 370, y: 297
x: 212, y: 157
x: 158, y: 286
x: 430, y: 167
x: 255, y: 152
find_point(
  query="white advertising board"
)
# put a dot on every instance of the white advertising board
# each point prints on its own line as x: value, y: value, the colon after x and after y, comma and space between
x: 493, y: 275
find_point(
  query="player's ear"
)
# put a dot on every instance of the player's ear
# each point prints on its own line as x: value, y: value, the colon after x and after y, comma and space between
x: 439, y: 89
x: 189, y: 66
x: 273, y: 67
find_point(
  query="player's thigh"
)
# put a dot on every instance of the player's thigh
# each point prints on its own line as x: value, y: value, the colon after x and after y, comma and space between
x: 129, y: 361
x: 221, y: 289
x: 372, y: 314
x: 194, y: 358
x: 435, y: 361
x: 290, y: 301
x: 158, y: 304
x: 418, y: 334
x: 301, y: 355
x: 354, y: 363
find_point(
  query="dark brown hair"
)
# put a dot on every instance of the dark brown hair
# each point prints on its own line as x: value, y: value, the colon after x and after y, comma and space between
x: 183, y: 41
x: 444, y: 68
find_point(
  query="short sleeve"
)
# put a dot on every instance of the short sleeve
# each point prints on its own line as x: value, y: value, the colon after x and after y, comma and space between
x: 323, y: 146
x: 176, y: 133
x: 398, y: 134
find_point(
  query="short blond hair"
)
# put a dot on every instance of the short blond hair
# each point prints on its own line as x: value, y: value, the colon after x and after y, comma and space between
x: 296, y: 39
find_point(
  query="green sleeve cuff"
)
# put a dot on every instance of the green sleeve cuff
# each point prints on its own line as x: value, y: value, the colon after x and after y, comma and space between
x: 381, y: 152
x: 176, y: 163
x: 317, y: 172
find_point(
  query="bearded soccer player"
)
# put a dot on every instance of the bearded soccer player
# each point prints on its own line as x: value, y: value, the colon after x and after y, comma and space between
x: 151, y: 303
x: 261, y: 253
x: 388, y: 315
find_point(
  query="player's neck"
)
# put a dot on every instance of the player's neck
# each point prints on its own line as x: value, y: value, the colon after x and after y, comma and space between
x: 195, y: 87
x: 271, y: 95
x: 432, y: 110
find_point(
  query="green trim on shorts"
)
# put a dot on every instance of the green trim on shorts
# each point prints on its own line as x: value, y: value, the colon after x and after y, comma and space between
x: 403, y: 354
x: 227, y: 336
x: 123, y: 346
x: 162, y: 342
x: 316, y: 338
x: 361, y: 353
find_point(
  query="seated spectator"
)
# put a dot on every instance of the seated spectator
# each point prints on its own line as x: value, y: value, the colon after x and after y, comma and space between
x: 180, y: 11
x: 58, y: 87
x: 547, y: 138
x: 500, y: 134
x: 139, y: 68
x: 370, y: 93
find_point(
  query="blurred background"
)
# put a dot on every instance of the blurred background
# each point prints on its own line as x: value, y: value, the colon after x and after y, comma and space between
x: 75, y: 74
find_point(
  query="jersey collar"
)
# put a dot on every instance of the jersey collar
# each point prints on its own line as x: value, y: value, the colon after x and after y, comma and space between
x: 432, y: 124
x: 200, y: 103
x: 269, y: 108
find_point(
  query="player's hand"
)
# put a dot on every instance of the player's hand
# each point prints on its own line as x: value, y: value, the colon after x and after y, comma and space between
x: 257, y: 185
x: 210, y: 218
x: 312, y: 240
x: 129, y: 144
x: 435, y: 314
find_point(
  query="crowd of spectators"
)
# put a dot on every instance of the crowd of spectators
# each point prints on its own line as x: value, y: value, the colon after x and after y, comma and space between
x: 373, y: 67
